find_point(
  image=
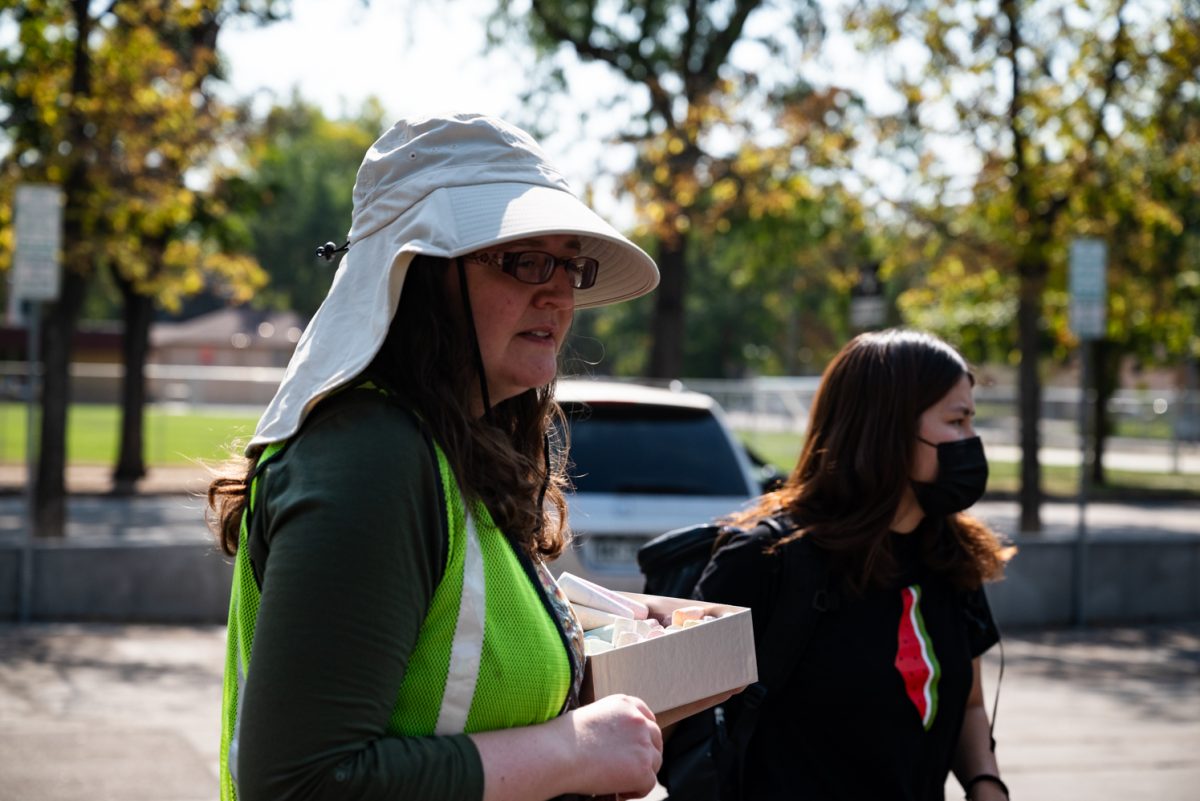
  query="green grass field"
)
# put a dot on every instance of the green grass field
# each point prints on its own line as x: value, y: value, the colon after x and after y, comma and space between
x: 782, y: 450
x: 179, y: 438
x: 171, y: 438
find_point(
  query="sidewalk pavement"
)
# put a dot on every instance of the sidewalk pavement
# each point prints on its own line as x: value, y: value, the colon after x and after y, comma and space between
x: 130, y: 713
x: 97, y: 479
x: 1161, y: 459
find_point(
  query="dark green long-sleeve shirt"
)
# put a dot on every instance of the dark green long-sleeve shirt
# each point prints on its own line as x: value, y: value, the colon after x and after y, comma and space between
x: 348, y: 537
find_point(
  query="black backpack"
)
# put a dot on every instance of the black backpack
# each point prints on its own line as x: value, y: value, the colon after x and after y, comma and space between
x: 673, y: 562
x: 703, y: 759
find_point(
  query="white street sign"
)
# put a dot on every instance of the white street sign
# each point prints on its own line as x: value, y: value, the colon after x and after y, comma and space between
x: 37, y: 262
x: 1089, y: 288
x: 867, y: 312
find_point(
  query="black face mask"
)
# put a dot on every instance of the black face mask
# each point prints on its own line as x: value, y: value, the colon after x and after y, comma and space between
x: 961, y: 478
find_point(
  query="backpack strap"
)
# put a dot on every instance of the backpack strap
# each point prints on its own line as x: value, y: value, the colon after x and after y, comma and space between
x: 794, y: 617
x: 802, y: 598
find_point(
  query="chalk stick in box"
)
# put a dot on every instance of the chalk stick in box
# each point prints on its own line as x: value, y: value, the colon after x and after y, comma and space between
x: 582, y: 591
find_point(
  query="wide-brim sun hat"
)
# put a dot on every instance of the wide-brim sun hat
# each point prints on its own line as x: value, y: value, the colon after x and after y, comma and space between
x: 439, y: 186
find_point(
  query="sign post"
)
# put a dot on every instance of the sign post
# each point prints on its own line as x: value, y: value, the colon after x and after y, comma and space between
x: 1088, y: 316
x: 868, y: 308
x: 36, y: 277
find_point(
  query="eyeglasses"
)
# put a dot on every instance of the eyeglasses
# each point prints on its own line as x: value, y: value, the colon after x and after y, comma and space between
x: 536, y: 267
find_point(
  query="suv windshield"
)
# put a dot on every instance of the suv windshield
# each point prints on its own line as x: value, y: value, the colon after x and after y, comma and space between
x: 641, y: 448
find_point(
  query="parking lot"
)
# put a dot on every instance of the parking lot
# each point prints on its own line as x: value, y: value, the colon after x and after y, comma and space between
x: 130, y: 713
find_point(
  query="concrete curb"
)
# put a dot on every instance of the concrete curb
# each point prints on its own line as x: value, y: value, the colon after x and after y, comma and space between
x: 1138, y: 579
x: 125, y: 582
x: 1142, y: 579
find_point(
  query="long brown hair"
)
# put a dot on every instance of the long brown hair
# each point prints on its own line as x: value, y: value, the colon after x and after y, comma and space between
x: 427, y: 361
x: 857, y: 461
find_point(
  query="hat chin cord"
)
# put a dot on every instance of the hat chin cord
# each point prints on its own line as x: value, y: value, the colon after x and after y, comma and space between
x: 466, y: 301
x: 483, y: 390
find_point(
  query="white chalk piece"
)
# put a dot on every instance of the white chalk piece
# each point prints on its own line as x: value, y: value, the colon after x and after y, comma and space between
x: 581, y: 591
x: 591, y: 618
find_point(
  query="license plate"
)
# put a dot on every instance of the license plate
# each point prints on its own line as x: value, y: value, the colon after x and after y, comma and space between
x: 613, y: 552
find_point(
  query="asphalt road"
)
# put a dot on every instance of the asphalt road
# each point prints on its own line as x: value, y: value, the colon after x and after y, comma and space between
x: 130, y: 713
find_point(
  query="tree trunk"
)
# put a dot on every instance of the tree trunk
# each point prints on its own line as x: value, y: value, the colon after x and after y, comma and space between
x: 58, y: 328
x: 1032, y: 276
x: 791, y: 336
x: 1029, y: 314
x: 58, y: 325
x: 667, y: 327
x: 135, y: 345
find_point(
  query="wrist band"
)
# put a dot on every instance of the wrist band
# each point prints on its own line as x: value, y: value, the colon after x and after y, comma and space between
x: 984, y: 777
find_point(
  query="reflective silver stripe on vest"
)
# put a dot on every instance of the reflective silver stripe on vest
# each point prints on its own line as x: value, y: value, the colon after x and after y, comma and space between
x: 237, y: 726
x: 232, y: 757
x: 467, y: 647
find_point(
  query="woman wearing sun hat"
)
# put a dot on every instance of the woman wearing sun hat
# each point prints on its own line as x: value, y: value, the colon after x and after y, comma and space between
x: 393, y: 630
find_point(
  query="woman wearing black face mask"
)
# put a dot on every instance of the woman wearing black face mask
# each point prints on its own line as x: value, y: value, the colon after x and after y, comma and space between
x: 875, y: 690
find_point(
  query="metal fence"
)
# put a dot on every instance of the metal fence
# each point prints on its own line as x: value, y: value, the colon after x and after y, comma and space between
x: 782, y: 404
x: 185, y: 385
x: 756, y: 404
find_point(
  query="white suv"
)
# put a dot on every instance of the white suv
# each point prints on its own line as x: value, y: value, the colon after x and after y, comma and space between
x: 644, y: 461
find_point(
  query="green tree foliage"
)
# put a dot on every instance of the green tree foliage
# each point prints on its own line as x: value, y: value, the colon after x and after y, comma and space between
x: 1081, y: 115
x: 112, y: 104
x: 292, y: 190
x: 780, y: 245
x: 688, y: 95
x: 777, y: 244
x: 1137, y: 193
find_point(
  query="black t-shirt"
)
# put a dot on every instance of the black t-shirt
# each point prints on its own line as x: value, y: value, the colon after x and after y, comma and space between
x: 875, y: 708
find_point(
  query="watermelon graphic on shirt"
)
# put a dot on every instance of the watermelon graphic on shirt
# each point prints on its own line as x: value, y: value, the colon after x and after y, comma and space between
x: 915, y: 659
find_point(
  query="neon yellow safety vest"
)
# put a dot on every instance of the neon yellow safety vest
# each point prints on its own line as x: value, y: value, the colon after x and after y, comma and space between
x: 487, y: 643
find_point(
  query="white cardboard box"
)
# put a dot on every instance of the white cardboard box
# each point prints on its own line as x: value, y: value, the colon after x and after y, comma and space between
x: 681, y: 667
